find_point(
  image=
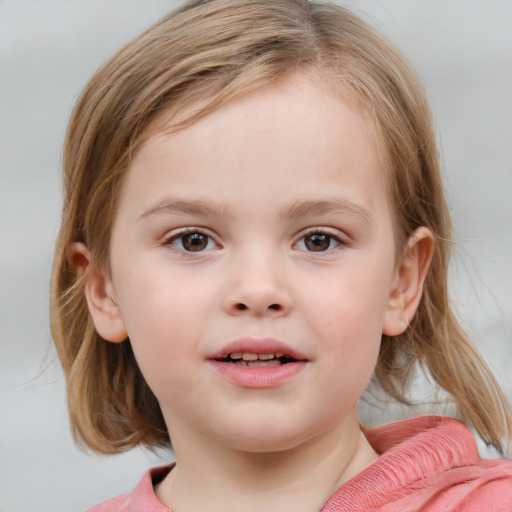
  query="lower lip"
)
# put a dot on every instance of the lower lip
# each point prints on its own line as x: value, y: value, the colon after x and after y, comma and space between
x: 258, y: 377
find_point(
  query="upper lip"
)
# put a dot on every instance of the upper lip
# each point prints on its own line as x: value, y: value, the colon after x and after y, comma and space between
x: 258, y: 345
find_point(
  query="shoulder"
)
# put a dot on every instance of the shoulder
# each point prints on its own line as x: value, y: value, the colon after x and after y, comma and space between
x: 427, y: 464
x: 142, y: 498
x: 112, y: 505
x: 483, y: 487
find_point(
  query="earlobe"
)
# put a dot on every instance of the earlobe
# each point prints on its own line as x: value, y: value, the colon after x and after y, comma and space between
x: 407, y: 289
x: 101, y: 302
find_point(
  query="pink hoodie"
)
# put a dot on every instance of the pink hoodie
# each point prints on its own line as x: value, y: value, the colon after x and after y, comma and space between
x: 427, y: 464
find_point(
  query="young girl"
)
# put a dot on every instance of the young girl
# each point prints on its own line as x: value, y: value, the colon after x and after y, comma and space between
x: 254, y: 227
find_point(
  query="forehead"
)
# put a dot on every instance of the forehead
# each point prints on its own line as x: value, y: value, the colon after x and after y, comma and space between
x: 285, y: 131
x: 311, y: 85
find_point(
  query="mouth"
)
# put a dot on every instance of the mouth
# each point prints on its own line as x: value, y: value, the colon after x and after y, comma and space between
x: 254, y: 360
x: 258, y: 363
x: 256, y: 352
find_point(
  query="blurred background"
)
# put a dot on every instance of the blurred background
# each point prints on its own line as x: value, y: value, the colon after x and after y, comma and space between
x: 462, y: 49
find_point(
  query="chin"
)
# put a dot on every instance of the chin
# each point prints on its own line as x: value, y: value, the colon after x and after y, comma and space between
x: 265, y: 446
x: 268, y: 437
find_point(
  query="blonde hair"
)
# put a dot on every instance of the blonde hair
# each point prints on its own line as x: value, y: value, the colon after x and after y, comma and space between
x: 204, y: 55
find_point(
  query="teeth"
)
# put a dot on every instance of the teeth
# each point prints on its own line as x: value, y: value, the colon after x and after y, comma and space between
x: 250, y: 356
x: 271, y: 362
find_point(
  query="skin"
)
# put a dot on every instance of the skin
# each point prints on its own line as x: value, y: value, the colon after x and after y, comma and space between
x: 257, y: 163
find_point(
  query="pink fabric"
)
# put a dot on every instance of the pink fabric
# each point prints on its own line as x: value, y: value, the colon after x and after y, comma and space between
x: 427, y: 464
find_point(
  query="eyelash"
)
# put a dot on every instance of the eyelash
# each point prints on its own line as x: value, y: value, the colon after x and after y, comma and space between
x: 323, y: 232
x: 180, y: 235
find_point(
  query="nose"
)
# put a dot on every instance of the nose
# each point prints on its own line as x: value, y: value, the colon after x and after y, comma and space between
x: 257, y: 286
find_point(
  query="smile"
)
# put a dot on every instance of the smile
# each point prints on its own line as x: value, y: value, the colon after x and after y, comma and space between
x: 258, y: 363
x: 253, y: 360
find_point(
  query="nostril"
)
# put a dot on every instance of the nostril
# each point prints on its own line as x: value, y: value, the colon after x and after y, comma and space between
x: 242, y: 307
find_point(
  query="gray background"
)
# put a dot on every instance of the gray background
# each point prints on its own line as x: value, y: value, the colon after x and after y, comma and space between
x: 462, y: 50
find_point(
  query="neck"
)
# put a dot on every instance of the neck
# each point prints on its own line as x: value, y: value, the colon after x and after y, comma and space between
x: 300, y: 479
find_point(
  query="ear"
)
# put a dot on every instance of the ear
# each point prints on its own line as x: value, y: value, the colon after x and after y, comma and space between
x: 101, y: 302
x: 407, y: 289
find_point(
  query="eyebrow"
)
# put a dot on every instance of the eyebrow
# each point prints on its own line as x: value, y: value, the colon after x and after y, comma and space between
x: 326, y: 207
x: 294, y: 210
x: 194, y: 207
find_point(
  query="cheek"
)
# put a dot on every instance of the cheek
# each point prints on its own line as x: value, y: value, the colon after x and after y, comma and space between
x: 352, y: 343
x: 350, y: 324
x: 162, y: 324
x: 353, y: 306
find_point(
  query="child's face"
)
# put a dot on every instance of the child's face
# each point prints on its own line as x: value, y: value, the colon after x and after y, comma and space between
x: 263, y: 228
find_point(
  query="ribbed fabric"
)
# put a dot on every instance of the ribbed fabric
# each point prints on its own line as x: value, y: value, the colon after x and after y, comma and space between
x: 427, y: 464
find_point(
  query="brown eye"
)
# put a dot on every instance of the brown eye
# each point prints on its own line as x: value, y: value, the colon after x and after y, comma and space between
x: 191, y: 242
x: 194, y: 242
x: 317, y: 242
